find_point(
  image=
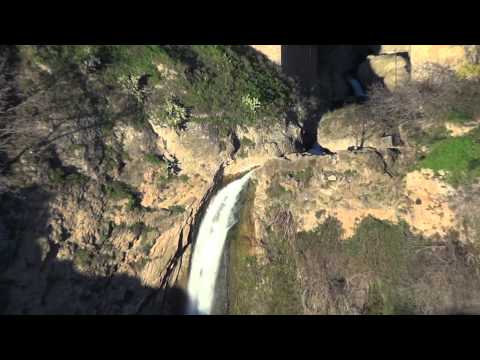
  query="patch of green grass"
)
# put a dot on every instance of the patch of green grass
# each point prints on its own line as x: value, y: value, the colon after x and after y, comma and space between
x: 136, y: 60
x: 259, y: 288
x: 381, y: 249
x: 430, y: 136
x: 459, y: 117
x: 281, y: 273
x: 458, y: 156
x: 385, y: 300
x: 382, y: 246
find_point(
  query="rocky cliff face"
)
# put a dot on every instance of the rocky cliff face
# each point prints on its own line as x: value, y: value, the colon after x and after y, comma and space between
x: 100, y: 200
x: 376, y: 228
x: 339, y: 235
x: 115, y: 152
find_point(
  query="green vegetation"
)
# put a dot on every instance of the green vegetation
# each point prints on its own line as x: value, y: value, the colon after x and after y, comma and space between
x: 58, y: 176
x: 183, y: 178
x: 231, y: 85
x: 459, y: 117
x: 281, y: 272
x: 175, y: 114
x: 303, y: 176
x: 117, y: 190
x: 245, y: 141
x: 111, y: 158
x: 155, y: 159
x: 82, y: 258
x: 233, y: 81
x: 469, y: 71
x: 260, y: 287
x: 245, y: 145
x: 381, y: 249
x: 430, y: 136
x: 458, y: 156
x: 176, y: 210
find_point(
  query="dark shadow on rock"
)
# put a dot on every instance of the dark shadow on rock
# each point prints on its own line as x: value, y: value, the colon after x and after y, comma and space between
x: 324, y: 74
x: 34, y: 279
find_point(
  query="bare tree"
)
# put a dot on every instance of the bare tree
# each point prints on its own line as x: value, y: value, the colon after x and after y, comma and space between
x: 435, y: 92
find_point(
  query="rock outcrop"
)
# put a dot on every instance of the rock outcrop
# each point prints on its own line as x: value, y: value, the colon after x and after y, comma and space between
x: 100, y: 203
x: 101, y: 200
x: 311, y: 240
x: 392, y: 69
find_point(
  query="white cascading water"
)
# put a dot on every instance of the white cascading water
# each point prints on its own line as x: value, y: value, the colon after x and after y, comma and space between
x: 207, y: 255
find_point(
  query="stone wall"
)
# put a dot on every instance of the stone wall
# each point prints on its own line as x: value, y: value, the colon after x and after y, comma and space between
x: 451, y: 55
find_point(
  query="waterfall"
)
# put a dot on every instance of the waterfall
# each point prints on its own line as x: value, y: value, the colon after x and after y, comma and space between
x: 207, y: 255
x: 357, y: 88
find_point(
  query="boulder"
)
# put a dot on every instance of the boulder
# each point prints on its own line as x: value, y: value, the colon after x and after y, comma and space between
x: 392, y: 69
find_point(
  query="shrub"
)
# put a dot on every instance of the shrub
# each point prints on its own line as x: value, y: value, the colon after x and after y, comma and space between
x: 172, y: 114
x: 117, y: 190
x: 251, y: 103
x: 130, y: 85
x: 469, y: 71
x: 459, y: 117
x: 303, y: 177
x: 276, y: 191
x: 183, y: 178
x: 56, y: 175
x: 82, y: 257
x: 245, y: 141
x: 156, y: 160
x: 176, y: 210
x: 438, y: 92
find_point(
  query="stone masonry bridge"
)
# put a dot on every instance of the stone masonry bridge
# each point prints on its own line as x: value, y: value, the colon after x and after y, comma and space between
x: 325, y: 66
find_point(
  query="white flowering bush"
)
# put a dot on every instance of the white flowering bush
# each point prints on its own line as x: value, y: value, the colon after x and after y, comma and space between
x: 251, y: 103
x: 129, y: 84
x: 175, y: 113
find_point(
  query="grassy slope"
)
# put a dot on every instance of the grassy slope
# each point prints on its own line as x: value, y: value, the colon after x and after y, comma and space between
x: 459, y: 156
x: 211, y: 80
x: 254, y: 287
